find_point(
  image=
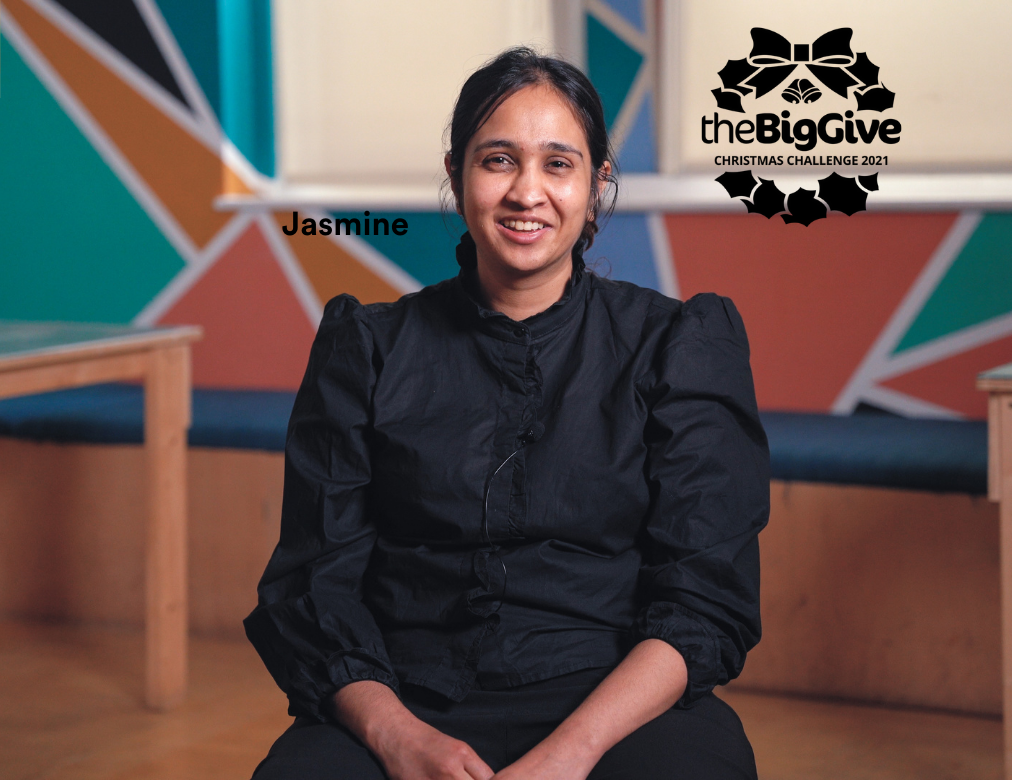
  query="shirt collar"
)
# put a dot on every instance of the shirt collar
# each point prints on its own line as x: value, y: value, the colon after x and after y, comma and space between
x: 499, y: 325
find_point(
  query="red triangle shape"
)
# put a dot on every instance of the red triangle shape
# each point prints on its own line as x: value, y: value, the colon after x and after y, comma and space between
x: 951, y: 382
x: 814, y: 299
x: 256, y: 334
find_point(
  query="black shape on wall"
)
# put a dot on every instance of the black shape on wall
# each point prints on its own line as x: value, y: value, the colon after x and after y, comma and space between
x: 121, y: 25
x: 804, y: 208
x: 841, y: 193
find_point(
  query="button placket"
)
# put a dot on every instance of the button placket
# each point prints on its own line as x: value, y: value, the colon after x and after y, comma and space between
x: 510, y: 417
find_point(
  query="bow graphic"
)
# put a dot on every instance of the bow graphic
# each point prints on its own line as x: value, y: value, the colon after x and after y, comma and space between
x: 829, y: 58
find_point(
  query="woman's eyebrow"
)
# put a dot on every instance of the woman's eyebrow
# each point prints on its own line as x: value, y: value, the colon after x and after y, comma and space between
x: 556, y: 146
x: 495, y: 143
x: 550, y: 146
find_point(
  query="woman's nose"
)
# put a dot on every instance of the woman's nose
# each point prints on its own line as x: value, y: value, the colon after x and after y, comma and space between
x: 528, y: 188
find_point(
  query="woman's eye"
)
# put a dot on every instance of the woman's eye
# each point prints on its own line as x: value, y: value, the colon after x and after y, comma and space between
x: 497, y: 159
x: 558, y: 164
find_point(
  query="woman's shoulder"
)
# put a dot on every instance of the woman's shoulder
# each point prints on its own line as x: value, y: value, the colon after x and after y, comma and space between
x: 704, y: 315
x: 345, y: 309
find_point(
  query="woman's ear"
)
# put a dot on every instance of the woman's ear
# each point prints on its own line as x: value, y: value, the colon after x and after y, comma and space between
x: 453, y: 184
x: 600, y: 182
x: 602, y: 178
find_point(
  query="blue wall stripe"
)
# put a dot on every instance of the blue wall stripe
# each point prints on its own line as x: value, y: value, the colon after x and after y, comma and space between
x: 247, y: 79
x: 622, y: 251
x: 639, y: 151
x: 630, y: 10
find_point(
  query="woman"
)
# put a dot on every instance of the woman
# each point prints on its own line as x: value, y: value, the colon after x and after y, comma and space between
x: 521, y: 506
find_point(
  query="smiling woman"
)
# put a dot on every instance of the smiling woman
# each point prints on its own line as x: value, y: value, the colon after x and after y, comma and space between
x: 519, y: 530
x: 528, y: 187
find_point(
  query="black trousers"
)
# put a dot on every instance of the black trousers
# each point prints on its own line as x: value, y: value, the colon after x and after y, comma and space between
x: 702, y: 742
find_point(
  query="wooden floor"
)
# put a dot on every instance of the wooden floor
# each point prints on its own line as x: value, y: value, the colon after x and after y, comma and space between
x: 70, y: 709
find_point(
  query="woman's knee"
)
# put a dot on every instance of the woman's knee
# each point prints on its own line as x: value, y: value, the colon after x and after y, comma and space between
x: 699, y: 743
x: 318, y: 751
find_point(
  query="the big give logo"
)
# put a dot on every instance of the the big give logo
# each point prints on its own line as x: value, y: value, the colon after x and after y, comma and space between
x: 802, y: 73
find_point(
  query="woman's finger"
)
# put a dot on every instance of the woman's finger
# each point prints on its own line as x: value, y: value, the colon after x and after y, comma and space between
x: 478, y: 769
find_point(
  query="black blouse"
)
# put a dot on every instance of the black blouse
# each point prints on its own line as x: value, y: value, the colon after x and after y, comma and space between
x: 472, y: 498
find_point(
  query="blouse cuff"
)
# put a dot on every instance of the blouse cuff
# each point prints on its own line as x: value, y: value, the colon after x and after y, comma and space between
x: 354, y: 666
x: 313, y: 697
x: 309, y: 679
x: 691, y: 636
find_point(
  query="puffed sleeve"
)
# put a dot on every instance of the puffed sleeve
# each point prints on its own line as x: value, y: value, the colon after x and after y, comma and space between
x: 310, y: 627
x: 709, y: 475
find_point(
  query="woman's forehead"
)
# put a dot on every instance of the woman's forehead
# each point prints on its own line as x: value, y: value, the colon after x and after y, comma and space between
x: 535, y: 117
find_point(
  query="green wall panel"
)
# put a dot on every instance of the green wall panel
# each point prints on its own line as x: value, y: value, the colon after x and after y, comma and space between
x: 977, y: 287
x: 74, y: 244
x: 612, y: 66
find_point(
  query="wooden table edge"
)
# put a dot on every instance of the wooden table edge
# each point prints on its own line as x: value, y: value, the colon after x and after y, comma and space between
x: 994, y: 385
x: 89, y: 350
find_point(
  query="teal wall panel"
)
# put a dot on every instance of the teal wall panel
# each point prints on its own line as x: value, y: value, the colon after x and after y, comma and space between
x: 977, y: 287
x: 612, y: 66
x: 74, y: 244
x: 194, y: 24
x: 426, y: 251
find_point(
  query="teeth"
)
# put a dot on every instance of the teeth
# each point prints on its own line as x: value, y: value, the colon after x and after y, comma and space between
x: 515, y: 224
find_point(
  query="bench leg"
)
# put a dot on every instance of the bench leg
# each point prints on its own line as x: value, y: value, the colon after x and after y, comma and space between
x: 1004, y: 426
x: 166, y: 419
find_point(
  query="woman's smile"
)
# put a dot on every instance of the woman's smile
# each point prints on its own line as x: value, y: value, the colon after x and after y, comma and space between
x: 523, y: 231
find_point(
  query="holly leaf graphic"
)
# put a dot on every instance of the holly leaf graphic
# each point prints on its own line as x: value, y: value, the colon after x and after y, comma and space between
x: 729, y: 101
x: 864, y: 70
x: 735, y: 72
x: 841, y: 193
x: 875, y: 99
x: 804, y: 208
x: 869, y: 182
x: 739, y: 184
x: 768, y: 199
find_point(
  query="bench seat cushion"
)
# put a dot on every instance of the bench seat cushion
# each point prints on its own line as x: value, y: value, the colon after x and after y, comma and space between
x: 862, y: 449
x: 879, y: 449
x: 114, y: 414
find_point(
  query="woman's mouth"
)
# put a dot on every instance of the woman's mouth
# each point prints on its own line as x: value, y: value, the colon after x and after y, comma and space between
x: 522, y: 231
x: 522, y: 226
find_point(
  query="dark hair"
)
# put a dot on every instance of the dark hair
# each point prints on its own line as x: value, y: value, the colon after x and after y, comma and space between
x: 489, y: 86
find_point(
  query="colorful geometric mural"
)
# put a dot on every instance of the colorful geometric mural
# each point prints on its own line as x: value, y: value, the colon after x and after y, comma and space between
x: 121, y: 122
x: 620, y: 62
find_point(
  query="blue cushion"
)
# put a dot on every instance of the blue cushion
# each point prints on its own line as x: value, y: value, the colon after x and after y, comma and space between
x: 114, y: 414
x: 862, y: 449
x: 879, y: 449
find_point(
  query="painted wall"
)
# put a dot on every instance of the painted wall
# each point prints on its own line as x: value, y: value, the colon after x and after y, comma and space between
x: 112, y: 149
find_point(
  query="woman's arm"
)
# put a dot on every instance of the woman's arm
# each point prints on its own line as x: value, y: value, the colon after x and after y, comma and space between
x: 408, y: 748
x: 310, y: 626
x: 708, y: 467
x: 649, y: 681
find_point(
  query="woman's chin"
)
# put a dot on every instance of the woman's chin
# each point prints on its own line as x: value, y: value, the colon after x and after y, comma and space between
x: 527, y: 263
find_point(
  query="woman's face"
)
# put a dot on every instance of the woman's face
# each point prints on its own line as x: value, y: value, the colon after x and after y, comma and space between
x: 526, y: 181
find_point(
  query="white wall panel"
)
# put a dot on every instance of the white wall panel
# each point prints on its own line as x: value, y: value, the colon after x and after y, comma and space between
x: 365, y: 89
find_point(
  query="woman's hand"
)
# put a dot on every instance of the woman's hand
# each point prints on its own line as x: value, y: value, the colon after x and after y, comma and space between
x: 417, y: 751
x: 408, y: 748
x: 552, y: 760
x: 650, y: 679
